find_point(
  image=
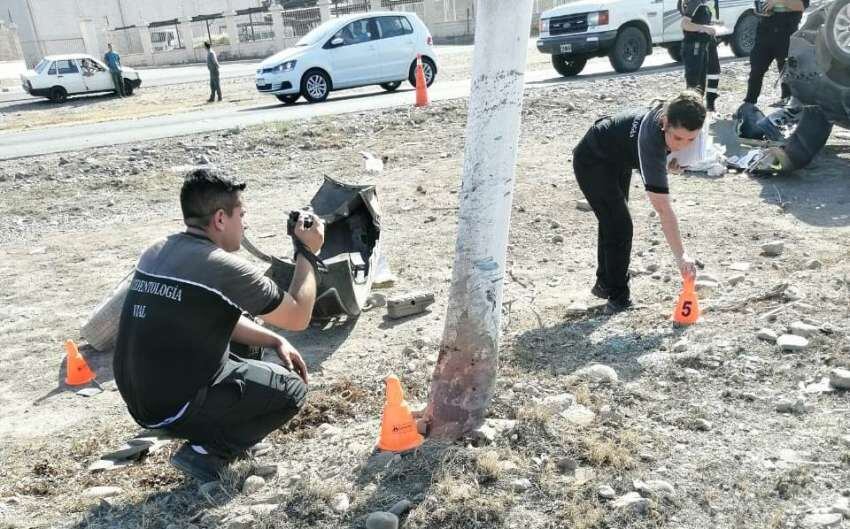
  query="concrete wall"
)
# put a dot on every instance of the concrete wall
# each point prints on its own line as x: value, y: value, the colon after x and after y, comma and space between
x: 10, y: 45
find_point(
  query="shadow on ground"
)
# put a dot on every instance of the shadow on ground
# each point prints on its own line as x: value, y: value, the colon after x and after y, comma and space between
x: 570, y: 345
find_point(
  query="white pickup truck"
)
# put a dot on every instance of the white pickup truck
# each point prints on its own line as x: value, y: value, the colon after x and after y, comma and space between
x: 626, y: 31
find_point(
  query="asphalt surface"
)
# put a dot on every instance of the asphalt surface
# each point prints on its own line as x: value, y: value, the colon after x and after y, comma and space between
x: 19, y: 144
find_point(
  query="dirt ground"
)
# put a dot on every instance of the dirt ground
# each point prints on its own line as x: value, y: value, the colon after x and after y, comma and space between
x: 696, y: 421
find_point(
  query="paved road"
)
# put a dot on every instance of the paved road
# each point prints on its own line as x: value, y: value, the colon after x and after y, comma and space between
x: 19, y: 144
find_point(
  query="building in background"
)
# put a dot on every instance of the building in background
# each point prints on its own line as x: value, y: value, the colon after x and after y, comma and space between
x: 161, y: 32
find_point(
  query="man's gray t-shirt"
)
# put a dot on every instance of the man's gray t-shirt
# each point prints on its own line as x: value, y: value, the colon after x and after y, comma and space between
x: 182, y: 306
x: 212, y: 63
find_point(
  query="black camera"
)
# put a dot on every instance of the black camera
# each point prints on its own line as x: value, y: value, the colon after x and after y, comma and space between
x: 293, y: 220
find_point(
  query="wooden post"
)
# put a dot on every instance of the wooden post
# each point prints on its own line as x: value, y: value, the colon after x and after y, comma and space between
x: 465, y: 376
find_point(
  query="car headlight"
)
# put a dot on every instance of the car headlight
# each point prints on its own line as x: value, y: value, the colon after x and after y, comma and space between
x: 599, y: 18
x: 287, y: 66
x: 544, y: 25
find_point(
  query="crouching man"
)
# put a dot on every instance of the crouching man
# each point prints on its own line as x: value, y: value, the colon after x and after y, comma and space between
x: 189, y: 299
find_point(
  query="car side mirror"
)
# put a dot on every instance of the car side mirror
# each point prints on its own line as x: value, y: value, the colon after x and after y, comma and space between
x: 338, y: 41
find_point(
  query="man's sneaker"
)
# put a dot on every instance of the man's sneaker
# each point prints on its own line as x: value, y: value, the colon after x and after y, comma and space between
x: 618, y: 304
x: 203, y: 467
x: 258, y: 449
x: 600, y: 291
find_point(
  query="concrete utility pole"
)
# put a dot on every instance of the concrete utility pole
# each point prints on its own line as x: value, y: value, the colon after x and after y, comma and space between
x: 465, y: 376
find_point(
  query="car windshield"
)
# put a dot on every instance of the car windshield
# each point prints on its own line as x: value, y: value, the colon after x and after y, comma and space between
x: 41, y: 66
x: 315, y: 35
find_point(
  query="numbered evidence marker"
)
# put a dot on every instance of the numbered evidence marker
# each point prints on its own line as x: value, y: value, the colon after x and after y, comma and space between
x: 687, y: 306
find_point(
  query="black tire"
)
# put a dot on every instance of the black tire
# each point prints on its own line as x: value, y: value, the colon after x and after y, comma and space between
x: 675, y: 51
x: 743, y: 38
x: 315, y: 86
x: 128, y: 87
x: 629, y: 50
x: 287, y: 99
x: 568, y: 66
x: 58, y: 94
x: 837, y: 29
x: 392, y: 86
x: 428, y: 67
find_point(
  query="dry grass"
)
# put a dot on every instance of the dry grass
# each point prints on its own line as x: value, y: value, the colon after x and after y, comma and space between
x: 617, y: 452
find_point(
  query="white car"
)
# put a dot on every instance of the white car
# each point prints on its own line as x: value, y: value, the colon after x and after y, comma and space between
x: 58, y: 76
x: 626, y: 31
x: 378, y: 47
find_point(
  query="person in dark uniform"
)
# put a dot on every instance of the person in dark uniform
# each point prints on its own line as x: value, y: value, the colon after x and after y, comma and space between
x: 699, y: 48
x: 189, y: 301
x: 603, y: 162
x: 778, y: 20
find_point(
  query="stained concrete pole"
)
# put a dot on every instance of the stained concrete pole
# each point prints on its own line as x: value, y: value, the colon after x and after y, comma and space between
x: 465, y: 376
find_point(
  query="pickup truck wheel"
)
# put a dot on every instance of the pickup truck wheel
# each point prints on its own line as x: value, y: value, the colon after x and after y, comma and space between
x: 837, y: 31
x: 675, y: 51
x: 58, y: 94
x: 568, y: 66
x: 629, y: 50
x: 744, y: 36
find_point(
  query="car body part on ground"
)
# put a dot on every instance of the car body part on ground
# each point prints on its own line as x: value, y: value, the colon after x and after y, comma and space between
x: 351, y: 252
x: 374, y: 48
x: 626, y: 31
x: 408, y: 304
x: 57, y: 77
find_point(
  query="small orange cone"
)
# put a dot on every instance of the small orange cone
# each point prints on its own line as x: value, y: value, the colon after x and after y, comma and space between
x: 78, y: 371
x: 687, y: 307
x: 422, y: 99
x: 398, y: 427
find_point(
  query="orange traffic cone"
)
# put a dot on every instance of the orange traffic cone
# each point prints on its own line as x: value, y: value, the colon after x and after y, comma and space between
x: 78, y: 371
x: 422, y: 99
x: 687, y: 307
x: 398, y: 427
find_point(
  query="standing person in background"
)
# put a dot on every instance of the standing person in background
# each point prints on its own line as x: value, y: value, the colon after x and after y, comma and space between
x: 215, y: 80
x: 113, y: 61
x: 699, y: 48
x: 778, y: 20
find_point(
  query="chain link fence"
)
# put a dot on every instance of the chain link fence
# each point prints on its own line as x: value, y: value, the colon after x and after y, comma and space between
x: 341, y: 8
x: 299, y: 22
x: 209, y: 28
x: 254, y: 25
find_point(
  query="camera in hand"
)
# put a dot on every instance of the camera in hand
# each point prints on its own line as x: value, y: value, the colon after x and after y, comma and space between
x: 293, y: 220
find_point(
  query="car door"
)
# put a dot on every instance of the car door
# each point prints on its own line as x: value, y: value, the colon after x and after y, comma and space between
x: 353, y: 54
x: 66, y: 73
x: 672, y: 21
x: 96, y: 75
x: 396, y: 48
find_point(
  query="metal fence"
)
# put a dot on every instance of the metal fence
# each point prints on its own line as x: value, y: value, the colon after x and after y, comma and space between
x: 340, y: 8
x: 166, y: 36
x: 254, y: 25
x: 126, y: 40
x: 299, y: 22
x: 411, y: 6
x: 209, y: 28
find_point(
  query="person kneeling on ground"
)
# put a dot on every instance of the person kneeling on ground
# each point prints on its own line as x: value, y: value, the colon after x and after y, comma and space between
x: 603, y: 162
x: 189, y: 299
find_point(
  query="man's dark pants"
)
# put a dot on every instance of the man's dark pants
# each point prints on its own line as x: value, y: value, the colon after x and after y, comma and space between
x: 248, y: 400
x: 772, y: 41
x: 606, y: 187
x: 118, y: 82
x: 702, y: 67
x: 215, y: 86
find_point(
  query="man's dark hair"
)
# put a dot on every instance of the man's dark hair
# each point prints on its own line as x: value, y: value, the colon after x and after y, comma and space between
x: 207, y: 45
x: 206, y: 191
x: 685, y: 111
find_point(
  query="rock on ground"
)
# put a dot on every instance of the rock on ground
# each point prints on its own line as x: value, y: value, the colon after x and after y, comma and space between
x: 382, y: 520
x: 791, y: 343
x: 839, y: 378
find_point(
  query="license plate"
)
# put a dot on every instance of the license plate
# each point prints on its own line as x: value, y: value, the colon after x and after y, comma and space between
x: 566, y: 48
x: 261, y: 81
